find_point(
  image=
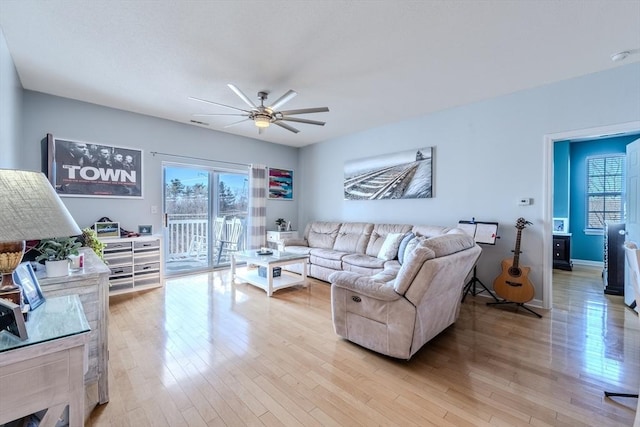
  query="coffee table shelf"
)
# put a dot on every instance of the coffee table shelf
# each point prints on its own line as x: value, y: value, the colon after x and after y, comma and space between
x: 269, y: 283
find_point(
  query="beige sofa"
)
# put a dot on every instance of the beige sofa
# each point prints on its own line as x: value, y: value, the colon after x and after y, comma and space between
x: 353, y: 246
x: 389, y: 302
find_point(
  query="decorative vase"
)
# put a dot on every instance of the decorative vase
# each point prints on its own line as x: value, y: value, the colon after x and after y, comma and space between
x: 57, y: 268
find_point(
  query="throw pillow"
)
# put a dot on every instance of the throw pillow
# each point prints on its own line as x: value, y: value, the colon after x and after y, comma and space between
x: 389, y: 249
x: 403, y: 246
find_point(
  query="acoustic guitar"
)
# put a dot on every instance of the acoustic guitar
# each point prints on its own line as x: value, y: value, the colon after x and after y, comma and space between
x: 513, y: 283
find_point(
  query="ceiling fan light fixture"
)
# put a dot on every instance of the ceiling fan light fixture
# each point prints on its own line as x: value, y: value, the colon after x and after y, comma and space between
x: 262, y: 120
x: 620, y: 56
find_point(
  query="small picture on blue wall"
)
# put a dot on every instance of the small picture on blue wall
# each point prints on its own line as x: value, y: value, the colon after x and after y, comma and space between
x: 560, y: 225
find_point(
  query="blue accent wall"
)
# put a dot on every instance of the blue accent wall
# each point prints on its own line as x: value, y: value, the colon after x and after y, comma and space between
x: 561, y: 173
x: 583, y: 246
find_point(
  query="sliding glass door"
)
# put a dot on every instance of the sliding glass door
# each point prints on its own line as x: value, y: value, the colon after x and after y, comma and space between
x: 205, y: 216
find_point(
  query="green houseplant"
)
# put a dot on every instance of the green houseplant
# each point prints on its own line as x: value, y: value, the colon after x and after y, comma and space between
x: 90, y: 238
x: 281, y: 222
x: 55, y: 253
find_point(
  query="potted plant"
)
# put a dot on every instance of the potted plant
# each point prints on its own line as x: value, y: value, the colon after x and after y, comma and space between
x: 281, y: 222
x: 55, y: 252
x: 91, y: 240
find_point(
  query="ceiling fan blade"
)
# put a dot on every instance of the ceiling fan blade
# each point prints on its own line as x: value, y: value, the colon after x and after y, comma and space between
x: 236, y: 123
x: 242, y: 96
x: 283, y: 99
x: 305, y: 111
x: 209, y: 115
x: 217, y: 103
x: 286, y: 126
x: 309, y: 122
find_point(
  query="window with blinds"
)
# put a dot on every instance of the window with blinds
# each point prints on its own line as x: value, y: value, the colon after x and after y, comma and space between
x: 605, y: 190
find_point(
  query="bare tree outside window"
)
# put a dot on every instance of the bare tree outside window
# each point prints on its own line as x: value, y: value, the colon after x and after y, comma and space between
x: 605, y: 190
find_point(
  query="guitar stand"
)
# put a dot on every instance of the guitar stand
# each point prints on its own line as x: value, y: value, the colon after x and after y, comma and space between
x: 471, y: 287
x: 612, y: 394
x: 519, y: 304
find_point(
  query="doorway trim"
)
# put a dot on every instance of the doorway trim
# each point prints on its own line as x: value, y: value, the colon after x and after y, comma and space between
x: 547, y: 239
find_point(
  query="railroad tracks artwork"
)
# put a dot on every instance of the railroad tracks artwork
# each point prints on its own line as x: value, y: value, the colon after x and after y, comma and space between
x: 402, y: 180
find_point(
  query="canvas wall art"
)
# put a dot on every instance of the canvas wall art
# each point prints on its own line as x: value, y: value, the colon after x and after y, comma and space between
x: 402, y: 175
x: 280, y: 184
x: 84, y: 169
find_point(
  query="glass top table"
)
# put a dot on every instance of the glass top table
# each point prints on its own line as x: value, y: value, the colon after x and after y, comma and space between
x: 57, y: 317
x: 268, y: 262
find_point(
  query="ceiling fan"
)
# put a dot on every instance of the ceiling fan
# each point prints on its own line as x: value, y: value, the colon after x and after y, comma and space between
x: 263, y: 115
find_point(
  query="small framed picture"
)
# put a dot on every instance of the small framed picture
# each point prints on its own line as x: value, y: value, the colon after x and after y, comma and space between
x: 145, y: 230
x: 107, y: 229
x: 280, y: 184
x: 11, y: 319
x: 25, y: 277
x: 560, y: 225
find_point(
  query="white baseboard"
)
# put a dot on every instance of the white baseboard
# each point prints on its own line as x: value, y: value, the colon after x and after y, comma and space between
x: 587, y: 263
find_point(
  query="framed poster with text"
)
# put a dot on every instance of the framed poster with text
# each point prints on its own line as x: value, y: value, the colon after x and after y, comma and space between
x: 85, y: 169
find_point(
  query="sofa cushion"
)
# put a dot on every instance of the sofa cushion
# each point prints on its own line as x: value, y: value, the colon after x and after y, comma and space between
x: 363, y: 285
x: 326, y: 258
x: 334, y: 264
x: 353, y: 237
x: 323, y: 234
x: 403, y: 246
x: 412, y: 264
x: 379, y: 234
x: 389, y: 273
x: 302, y: 250
x: 364, y: 271
x: 327, y: 253
x: 429, y: 230
x: 389, y: 249
x: 361, y: 260
x: 449, y: 243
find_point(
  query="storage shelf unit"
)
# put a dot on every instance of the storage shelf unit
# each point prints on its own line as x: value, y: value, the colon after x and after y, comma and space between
x: 562, y: 251
x: 135, y: 263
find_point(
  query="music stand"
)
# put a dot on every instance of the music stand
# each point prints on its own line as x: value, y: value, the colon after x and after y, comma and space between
x: 484, y: 233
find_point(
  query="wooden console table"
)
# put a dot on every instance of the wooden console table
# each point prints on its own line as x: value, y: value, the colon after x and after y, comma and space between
x: 46, y: 371
x: 91, y: 284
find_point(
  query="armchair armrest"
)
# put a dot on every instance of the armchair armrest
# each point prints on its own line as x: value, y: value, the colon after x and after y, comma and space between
x: 364, y: 285
x: 294, y: 242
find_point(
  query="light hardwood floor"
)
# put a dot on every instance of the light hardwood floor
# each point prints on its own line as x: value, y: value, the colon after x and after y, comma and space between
x: 203, y: 352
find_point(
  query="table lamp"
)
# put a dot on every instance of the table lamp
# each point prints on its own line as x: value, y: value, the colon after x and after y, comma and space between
x: 30, y: 209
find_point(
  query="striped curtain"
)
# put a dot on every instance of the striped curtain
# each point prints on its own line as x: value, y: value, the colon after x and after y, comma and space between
x: 257, y: 229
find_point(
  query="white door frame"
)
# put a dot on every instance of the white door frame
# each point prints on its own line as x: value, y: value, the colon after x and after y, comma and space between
x: 547, y: 191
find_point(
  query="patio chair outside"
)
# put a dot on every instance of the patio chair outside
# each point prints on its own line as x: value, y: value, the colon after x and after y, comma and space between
x: 230, y: 238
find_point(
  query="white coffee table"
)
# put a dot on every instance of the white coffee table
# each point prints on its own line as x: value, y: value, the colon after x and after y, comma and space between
x: 277, y: 259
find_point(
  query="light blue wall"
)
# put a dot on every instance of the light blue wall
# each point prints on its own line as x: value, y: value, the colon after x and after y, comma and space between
x: 488, y: 155
x: 584, y: 246
x: 10, y: 108
x: 69, y: 119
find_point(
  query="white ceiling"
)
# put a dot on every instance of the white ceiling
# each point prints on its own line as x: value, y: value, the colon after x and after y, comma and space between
x: 370, y: 62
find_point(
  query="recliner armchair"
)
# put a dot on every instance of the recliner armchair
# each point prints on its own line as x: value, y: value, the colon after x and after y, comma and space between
x: 397, y: 311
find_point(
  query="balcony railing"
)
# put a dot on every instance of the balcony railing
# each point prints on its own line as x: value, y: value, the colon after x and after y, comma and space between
x: 188, y: 237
